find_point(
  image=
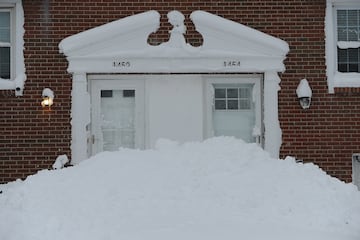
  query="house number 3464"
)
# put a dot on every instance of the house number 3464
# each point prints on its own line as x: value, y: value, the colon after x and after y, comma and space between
x: 231, y: 63
x: 121, y: 64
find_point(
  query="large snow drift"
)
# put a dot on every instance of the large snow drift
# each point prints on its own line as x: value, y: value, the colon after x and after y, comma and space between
x: 219, y: 189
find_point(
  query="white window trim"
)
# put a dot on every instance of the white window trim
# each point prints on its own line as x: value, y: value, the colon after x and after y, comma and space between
x: 335, y: 78
x: 17, y: 70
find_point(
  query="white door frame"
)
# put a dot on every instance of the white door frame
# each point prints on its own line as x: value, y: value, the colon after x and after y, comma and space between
x: 81, y: 110
x: 255, y: 79
x: 116, y: 82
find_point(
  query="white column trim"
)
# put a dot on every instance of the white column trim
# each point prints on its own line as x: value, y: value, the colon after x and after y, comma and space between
x: 80, y: 118
x: 273, y: 131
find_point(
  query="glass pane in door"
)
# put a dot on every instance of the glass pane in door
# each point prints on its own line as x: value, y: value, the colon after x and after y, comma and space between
x: 117, y: 119
x: 234, y: 111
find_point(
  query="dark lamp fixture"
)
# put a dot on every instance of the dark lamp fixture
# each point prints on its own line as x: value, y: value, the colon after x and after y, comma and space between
x: 304, y: 94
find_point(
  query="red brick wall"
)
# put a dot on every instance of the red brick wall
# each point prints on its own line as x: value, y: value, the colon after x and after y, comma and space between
x: 31, y: 138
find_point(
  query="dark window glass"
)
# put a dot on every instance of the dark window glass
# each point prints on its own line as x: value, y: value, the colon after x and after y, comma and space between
x: 353, y: 67
x: 220, y: 104
x: 348, y: 60
x: 233, y: 104
x: 245, y: 104
x: 129, y: 93
x: 220, y: 93
x: 5, y: 62
x: 5, y: 27
x: 232, y: 93
x: 106, y: 93
x: 342, y: 67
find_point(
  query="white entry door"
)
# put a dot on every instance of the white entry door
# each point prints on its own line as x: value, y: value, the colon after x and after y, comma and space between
x: 117, y: 114
x: 235, y: 107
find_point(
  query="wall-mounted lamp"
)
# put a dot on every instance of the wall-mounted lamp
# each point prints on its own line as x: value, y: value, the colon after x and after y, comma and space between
x: 47, y: 98
x: 304, y: 94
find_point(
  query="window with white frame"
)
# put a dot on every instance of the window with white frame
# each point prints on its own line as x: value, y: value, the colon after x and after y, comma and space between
x: 12, y: 67
x: 5, y: 43
x: 342, y: 32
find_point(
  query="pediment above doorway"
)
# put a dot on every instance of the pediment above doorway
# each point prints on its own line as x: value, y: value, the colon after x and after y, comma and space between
x: 121, y: 46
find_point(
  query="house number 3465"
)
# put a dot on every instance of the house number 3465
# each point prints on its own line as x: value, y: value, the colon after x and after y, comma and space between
x: 121, y: 64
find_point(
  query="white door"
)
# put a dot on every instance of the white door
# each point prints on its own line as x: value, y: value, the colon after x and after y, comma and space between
x: 235, y: 107
x: 117, y: 114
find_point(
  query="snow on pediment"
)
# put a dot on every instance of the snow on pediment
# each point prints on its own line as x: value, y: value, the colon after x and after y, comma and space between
x: 121, y: 46
x: 130, y: 33
x: 224, y: 35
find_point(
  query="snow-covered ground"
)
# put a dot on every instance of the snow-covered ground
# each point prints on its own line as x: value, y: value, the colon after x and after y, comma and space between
x: 221, y: 188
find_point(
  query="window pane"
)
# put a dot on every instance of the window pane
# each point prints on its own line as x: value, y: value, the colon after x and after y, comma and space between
x: 342, y: 55
x: 220, y: 104
x: 129, y: 93
x: 244, y: 92
x: 5, y: 27
x: 342, y: 34
x: 220, y: 93
x: 352, y: 18
x: 348, y: 60
x: 353, y: 67
x: 342, y: 67
x: 233, y: 104
x: 341, y: 18
x: 353, y: 34
x: 245, y: 104
x: 5, y: 62
x: 353, y: 55
x: 106, y: 93
x: 232, y: 92
x: 348, y: 25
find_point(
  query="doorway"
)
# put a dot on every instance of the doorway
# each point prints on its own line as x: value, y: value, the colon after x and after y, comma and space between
x: 134, y: 111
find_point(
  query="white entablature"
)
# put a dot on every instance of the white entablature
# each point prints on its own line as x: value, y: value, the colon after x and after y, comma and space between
x: 122, y: 46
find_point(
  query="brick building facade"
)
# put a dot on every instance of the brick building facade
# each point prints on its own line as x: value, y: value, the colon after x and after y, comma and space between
x: 328, y: 133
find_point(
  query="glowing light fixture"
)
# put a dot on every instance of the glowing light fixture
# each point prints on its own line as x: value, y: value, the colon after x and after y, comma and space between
x: 47, y: 98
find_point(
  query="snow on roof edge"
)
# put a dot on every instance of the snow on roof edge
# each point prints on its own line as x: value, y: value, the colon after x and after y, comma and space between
x: 214, y: 21
x: 98, y: 33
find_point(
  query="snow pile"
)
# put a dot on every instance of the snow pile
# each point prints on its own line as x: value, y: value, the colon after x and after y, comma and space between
x: 219, y: 189
x: 60, y: 162
x: 303, y: 89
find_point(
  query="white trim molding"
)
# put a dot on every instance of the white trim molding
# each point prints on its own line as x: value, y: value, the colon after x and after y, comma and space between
x: 80, y: 117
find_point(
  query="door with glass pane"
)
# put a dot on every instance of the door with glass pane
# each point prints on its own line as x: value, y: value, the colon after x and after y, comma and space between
x: 235, y: 108
x: 117, y: 114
